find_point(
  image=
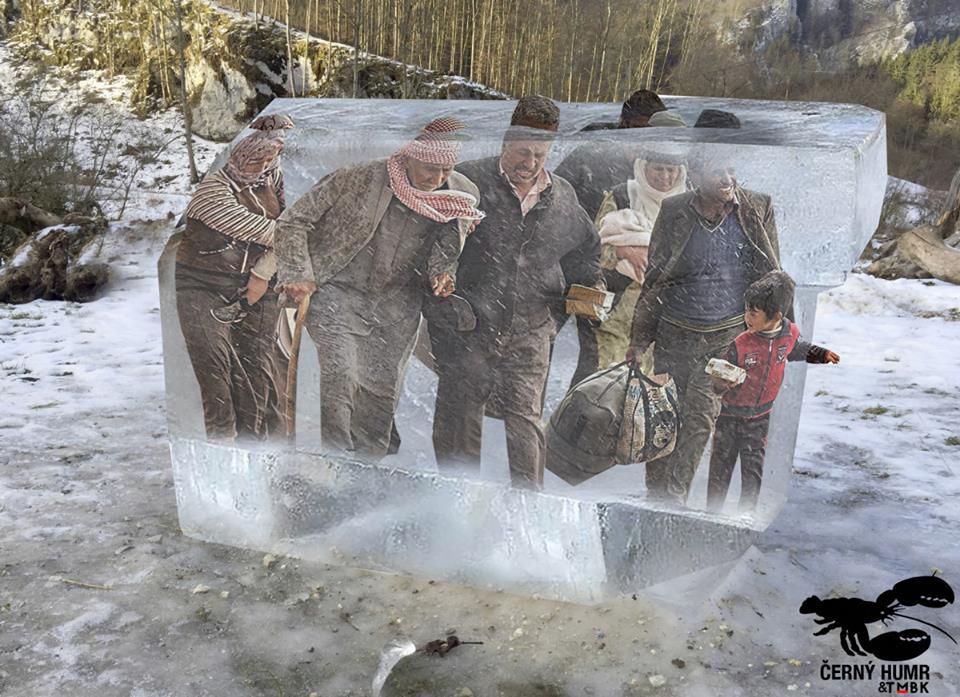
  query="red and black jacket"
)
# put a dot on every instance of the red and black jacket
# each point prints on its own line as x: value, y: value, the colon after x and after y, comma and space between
x: 765, y: 360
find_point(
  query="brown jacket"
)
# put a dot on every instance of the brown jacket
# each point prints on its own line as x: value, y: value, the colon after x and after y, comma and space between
x: 319, y: 234
x: 670, y: 235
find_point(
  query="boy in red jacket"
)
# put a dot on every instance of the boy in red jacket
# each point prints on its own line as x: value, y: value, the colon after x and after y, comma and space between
x: 762, y: 351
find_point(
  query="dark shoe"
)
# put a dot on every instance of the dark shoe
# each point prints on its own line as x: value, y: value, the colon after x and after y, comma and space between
x: 453, y: 312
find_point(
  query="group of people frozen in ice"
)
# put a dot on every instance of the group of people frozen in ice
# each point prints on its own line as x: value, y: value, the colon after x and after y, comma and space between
x: 481, y: 254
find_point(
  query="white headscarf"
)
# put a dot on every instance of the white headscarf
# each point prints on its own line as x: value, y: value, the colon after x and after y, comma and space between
x: 631, y: 227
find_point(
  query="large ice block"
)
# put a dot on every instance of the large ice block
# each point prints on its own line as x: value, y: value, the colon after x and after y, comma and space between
x: 824, y: 167
x: 420, y: 523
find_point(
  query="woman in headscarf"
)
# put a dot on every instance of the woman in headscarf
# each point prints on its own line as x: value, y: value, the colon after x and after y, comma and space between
x: 226, y: 299
x: 625, y: 221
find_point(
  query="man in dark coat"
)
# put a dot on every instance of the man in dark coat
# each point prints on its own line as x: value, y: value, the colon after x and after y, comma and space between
x: 534, y: 243
x: 373, y: 241
x: 707, y: 246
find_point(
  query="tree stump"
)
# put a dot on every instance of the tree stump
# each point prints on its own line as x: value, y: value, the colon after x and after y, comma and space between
x: 54, y: 264
x: 933, y: 247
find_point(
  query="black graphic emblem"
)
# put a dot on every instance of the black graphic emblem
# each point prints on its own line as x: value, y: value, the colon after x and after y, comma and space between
x: 852, y: 615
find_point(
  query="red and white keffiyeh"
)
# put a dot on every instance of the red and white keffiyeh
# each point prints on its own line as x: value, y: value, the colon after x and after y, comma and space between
x: 436, y: 144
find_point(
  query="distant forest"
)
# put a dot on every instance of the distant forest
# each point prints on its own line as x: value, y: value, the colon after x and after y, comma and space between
x: 601, y: 50
x: 573, y: 50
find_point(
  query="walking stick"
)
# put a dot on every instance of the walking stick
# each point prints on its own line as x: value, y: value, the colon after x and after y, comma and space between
x: 291, y: 396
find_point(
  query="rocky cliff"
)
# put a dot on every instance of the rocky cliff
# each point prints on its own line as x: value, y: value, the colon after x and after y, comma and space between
x: 235, y: 65
x: 842, y: 32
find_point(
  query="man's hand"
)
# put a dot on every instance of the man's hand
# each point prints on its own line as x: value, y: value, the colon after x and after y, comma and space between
x: 298, y: 290
x: 831, y: 357
x: 442, y: 285
x: 720, y: 385
x: 256, y: 287
x: 637, y: 256
x: 635, y: 354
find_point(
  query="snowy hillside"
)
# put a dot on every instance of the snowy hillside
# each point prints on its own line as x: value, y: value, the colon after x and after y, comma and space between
x: 101, y: 595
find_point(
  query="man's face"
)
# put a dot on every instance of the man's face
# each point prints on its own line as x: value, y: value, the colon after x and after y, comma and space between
x: 717, y: 182
x: 523, y: 160
x: 426, y: 176
x: 661, y: 176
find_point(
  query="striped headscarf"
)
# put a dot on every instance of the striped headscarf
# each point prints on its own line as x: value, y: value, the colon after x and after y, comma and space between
x: 253, y: 159
x: 272, y: 122
x: 436, y: 145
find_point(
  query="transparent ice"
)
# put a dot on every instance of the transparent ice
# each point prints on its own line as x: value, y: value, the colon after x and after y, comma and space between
x: 824, y: 165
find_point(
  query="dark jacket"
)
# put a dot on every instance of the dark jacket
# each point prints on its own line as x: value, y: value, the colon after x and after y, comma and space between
x: 595, y: 168
x: 669, y: 238
x: 521, y: 266
x: 765, y: 360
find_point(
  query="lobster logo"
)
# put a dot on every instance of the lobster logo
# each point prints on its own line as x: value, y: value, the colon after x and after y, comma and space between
x: 852, y: 615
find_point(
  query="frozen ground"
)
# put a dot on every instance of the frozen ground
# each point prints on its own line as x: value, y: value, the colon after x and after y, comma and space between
x: 86, y: 496
x: 101, y: 595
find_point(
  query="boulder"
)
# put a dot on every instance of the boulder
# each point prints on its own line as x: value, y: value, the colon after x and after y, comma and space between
x: 222, y: 100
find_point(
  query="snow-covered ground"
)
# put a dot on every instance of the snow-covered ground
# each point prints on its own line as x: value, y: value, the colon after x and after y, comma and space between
x: 86, y: 496
x: 100, y: 593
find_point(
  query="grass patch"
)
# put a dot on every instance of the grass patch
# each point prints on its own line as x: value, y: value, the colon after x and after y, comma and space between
x: 876, y: 411
x: 20, y: 314
x: 952, y: 440
x: 46, y: 405
x: 820, y: 393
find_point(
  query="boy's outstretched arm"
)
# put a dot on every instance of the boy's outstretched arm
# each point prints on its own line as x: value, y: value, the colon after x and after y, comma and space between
x: 811, y: 353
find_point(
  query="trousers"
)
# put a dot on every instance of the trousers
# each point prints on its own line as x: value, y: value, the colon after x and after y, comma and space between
x: 504, y: 378
x: 747, y: 438
x: 239, y: 367
x: 360, y: 380
x: 684, y: 354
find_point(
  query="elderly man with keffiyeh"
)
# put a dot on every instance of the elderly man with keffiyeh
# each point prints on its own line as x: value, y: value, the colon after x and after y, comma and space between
x: 228, y: 310
x: 374, y: 242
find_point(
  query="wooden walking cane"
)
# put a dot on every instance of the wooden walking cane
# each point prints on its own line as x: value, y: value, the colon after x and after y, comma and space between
x: 291, y: 396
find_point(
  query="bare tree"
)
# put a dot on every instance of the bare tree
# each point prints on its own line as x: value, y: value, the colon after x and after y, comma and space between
x: 306, y: 48
x: 184, y: 102
x: 291, y: 87
x: 569, y: 49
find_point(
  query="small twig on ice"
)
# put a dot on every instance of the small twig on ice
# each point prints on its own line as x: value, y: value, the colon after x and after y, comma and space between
x: 81, y: 584
x: 345, y: 617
